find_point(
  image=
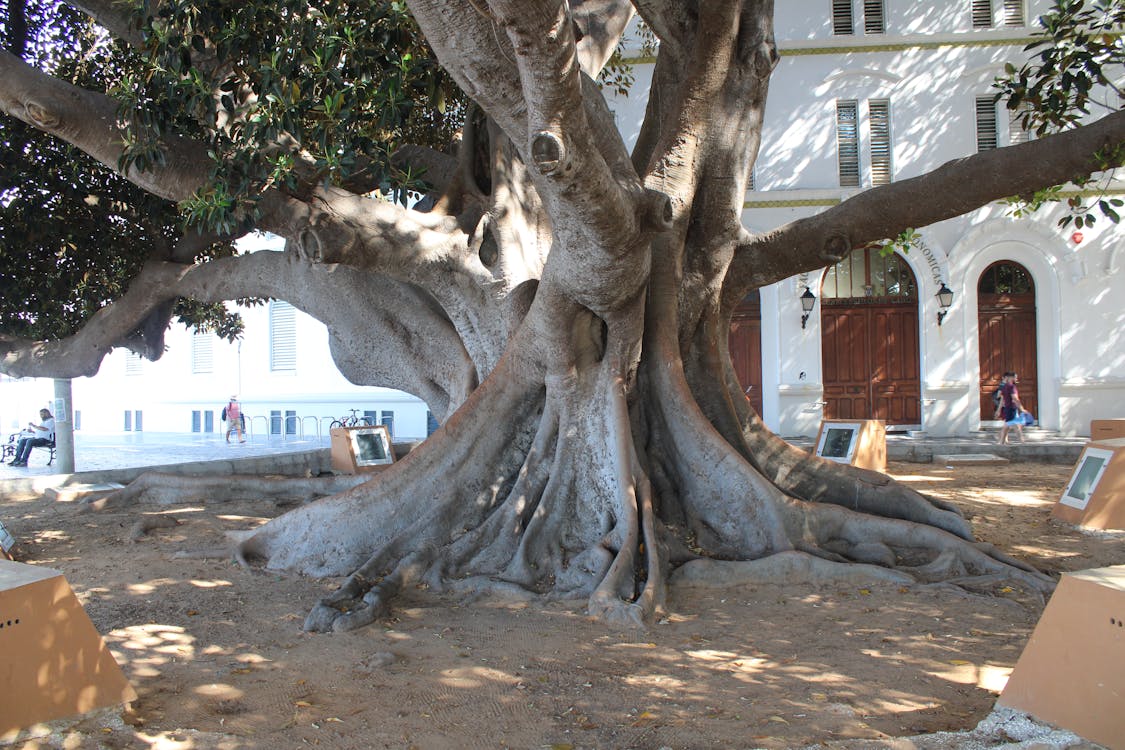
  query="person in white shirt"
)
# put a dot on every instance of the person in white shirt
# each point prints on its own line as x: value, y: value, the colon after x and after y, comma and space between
x: 37, y: 434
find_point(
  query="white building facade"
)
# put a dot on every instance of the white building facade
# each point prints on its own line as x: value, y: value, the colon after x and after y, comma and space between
x: 866, y: 92
x: 281, y: 371
x: 873, y: 91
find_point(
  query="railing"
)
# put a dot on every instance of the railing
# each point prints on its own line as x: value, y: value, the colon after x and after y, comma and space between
x: 301, y: 426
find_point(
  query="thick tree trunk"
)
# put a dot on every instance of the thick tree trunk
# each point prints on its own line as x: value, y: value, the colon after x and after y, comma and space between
x: 607, y: 448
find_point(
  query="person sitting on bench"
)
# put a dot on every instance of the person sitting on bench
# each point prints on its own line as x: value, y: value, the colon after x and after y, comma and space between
x: 37, y: 435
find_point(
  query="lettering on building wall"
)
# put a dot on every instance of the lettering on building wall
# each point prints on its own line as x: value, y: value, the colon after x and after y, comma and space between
x: 936, y: 270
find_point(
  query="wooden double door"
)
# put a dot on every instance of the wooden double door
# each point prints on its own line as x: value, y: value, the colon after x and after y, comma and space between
x: 1007, y: 334
x: 871, y: 362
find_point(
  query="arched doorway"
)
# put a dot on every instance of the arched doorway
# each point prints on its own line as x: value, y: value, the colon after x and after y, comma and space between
x: 1006, y: 322
x: 869, y: 320
x: 745, y: 344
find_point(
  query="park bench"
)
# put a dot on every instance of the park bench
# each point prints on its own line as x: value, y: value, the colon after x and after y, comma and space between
x: 13, y: 440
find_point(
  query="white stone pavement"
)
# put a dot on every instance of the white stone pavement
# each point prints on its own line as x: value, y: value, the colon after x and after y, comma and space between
x: 93, y: 452
x: 101, y: 452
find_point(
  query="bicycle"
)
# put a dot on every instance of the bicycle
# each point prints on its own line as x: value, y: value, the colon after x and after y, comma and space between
x: 352, y: 421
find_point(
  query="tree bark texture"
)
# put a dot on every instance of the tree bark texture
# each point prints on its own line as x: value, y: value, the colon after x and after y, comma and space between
x: 567, y: 304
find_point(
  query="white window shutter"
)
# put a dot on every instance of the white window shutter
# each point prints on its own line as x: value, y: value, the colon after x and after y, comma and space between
x: 202, y: 353
x: 283, y: 336
x: 874, y: 17
x: 847, y: 141
x: 882, y: 166
x: 843, y: 23
x: 986, y: 123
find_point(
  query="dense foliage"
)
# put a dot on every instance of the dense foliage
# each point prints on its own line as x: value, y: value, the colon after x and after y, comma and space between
x: 307, y: 92
x: 1073, y: 73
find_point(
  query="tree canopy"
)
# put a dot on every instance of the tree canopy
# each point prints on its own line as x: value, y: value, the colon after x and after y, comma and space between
x: 562, y: 298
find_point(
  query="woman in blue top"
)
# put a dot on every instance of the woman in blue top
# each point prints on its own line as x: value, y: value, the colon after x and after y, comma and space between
x: 1011, y: 410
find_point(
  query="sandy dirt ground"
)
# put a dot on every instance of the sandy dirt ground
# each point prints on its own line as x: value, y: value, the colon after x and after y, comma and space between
x: 218, y: 658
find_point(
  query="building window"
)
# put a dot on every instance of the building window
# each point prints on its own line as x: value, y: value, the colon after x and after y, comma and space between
x: 879, y: 114
x: 202, y: 353
x: 880, y: 143
x: 842, y: 21
x: 283, y: 336
x: 133, y: 363
x: 874, y: 21
x: 388, y: 418
x: 431, y: 423
x: 843, y: 17
x: 371, y: 417
x: 1011, y: 14
x: 275, y: 421
x: 866, y: 276
x: 134, y: 421
x: 202, y: 421
x: 77, y: 419
x: 847, y: 142
x: 128, y: 421
x: 987, y: 138
x: 1005, y: 277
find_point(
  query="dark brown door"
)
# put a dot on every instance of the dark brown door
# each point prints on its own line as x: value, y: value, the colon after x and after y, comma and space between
x: 846, y: 356
x: 869, y: 319
x: 1006, y: 322
x: 871, y: 363
x: 745, y: 345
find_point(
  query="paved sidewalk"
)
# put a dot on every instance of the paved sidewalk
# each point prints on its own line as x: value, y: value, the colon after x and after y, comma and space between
x: 95, y: 453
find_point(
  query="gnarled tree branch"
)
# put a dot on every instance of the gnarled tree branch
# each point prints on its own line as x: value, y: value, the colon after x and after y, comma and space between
x: 952, y: 189
x: 88, y: 120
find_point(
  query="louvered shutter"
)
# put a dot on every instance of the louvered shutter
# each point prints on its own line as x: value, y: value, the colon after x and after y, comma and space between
x: 283, y: 336
x: 982, y: 14
x: 882, y: 168
x: 1013, y: 13
x: 202, y: 353
x: 874, y: 21
x: 847, y: 142
x: 1016, y: 131
x: 842, y: 23
x: 986, y: 123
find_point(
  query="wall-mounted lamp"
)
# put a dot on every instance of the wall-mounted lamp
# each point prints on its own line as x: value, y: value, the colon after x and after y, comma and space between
x: 808, y: 300
x: 945, y: 299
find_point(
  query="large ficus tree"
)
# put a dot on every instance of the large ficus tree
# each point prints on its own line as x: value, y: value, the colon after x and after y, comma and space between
x: 561, y: 301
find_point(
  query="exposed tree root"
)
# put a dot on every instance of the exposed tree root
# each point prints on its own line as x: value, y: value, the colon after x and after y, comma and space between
x: 149, y: 522
x: 166, y: 489
x: 785, y: 568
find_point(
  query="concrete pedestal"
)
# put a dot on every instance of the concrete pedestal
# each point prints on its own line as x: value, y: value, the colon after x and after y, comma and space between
x: 53, y: 663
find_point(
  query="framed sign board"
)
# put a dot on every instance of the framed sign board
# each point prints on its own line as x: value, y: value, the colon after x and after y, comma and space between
x: 861, y: 443
x: 1095, y: 495
x: 360, y: 449
x: 7, y: 541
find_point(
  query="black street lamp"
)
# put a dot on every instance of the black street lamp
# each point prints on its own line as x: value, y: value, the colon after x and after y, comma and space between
x: 945, y: 299
x: 808, y: 300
